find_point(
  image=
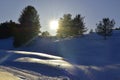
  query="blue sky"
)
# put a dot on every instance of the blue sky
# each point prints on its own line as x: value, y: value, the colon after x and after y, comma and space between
x: 92, y: 10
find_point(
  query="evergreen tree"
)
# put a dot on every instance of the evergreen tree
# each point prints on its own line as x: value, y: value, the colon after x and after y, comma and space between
x: 79, y: 25
x: 45, y: 34
x: 104, y: 28
x: 65, y: 25
x: 30, y: 18
x: 71, y: 27
x: 6, y: 29
x: 28, y: 28
x: 91, y: 31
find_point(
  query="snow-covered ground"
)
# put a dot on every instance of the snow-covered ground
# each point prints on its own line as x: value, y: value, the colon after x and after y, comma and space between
x: 29, y: 65
x: 5, y: 75
x: 82, y: 58
x: 12, y: 73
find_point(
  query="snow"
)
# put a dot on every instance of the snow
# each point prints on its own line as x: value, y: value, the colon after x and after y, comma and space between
x: 20, y: 74
x: 87, y: 57
x: 37, y: 62
x: 5, y: 75
x: 6, y: 43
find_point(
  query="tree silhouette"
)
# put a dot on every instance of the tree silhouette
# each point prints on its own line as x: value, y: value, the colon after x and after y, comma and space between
x: 28, y: 28
x: 45, y: 34
x: 79, y: 25
x: 91, y: 31
x: 104, y: 28
x: 30, y: 18
x: 6, y: 29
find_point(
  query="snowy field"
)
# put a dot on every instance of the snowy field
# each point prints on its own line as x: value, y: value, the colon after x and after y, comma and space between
x: 82, y: 58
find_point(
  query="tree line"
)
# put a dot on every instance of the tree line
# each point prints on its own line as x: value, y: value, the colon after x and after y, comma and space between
x: 71, y: 27
x: 29, y: 27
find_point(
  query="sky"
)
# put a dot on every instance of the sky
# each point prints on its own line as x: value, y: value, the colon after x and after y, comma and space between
x: 93, y: 10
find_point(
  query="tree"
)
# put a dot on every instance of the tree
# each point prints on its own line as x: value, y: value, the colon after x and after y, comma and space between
x: 118, y: 28
x: 28, y: 28
x: 65, y: 25
x: 30, y: 18
x: 71, y: 27
x: 104, y: 28
x: 91, y: 31
x: 6, y: 29
x: 45, y: 34
x: 79, y: 25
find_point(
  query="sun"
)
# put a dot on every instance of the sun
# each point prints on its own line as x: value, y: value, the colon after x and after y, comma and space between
x: 54, y: 25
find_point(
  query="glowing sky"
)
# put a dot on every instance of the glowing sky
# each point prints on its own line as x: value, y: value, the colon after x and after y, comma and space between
x: 92, y: 10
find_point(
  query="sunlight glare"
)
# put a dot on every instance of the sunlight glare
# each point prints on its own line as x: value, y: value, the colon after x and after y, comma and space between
x: 54, y: 25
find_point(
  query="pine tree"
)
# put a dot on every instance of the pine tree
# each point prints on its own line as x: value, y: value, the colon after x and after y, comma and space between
x: 71, y: 27
x: 79, y: 25
x: 65, y: 25
x: 28, y: 28
x: 30, y: 18
x: 104, y: 28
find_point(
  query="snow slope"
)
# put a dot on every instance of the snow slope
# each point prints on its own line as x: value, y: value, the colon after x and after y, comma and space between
x: 30, y: 66
x: 87, y: 50
x: 82, y: 58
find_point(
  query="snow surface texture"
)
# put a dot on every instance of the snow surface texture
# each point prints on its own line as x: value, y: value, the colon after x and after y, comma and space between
x: 5, y: 75
x: 82, y: 58
x: 25, y: 65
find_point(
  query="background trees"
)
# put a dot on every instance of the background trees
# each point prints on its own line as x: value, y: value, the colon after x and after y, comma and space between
x: 91, y: 31
x: 71, y: 27
x: 104, y: 27
x: 6, y: 29
x: 29, y: 26
x: 45, y: 34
